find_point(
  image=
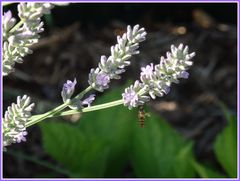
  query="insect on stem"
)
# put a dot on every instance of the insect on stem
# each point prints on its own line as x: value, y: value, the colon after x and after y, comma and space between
x: 141, y: 116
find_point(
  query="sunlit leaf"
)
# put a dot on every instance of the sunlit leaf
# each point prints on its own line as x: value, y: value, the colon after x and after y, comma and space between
x: 206, y: 171
x: 82, y: 156
x: 112, y: 125
x: 158, y: 151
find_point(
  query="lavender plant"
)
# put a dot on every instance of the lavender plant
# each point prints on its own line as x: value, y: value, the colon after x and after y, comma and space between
x: 155, y: 80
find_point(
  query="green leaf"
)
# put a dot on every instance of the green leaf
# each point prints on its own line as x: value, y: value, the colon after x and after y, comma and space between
x: 206, y: 171
x: 225, y: 148
x: 97, y: 146
x: 112, y: 125
x: 49, y: 20
x: 182, y: 163
x: 82, y: 156
x: 158, y: 151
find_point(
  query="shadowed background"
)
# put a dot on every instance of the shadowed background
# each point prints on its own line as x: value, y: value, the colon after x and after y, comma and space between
x: 191, y: 132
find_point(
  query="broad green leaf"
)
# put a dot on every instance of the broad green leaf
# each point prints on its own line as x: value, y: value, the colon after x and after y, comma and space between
x: 206, y: 171
x: 112, y: 125
x: 183, y: 161
x: 82, y: 156
x: 158, y: 151
x: 225, y: 148
x: 102, y: 130
x: 102, y: 141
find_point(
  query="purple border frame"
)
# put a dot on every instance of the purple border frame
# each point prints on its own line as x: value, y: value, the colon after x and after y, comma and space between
x: 130, y: 1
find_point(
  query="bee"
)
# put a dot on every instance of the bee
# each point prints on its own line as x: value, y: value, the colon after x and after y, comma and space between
x: 141, y: 116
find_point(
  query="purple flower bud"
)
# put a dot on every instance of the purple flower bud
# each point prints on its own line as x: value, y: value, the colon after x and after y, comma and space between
x: 102, y: 79
x: 21, y: 137
x: 98, y: 79
x: 68, y: 89
x: 167, y: 89
x: 25, y: 35
x: 7, y: 16
x: 184, y: 75
x: 130, y: 98
x: 8, y: 22
x: 89, y: 100
x: 147, y: 71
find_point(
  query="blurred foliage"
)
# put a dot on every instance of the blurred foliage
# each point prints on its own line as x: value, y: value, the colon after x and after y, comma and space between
x: 54, y: 170
x: 205, y: 171
x: 82, y: 156
x: 225, y: 147
x: 110, y: 127
x: 109, y: 143
x: 158, y: 151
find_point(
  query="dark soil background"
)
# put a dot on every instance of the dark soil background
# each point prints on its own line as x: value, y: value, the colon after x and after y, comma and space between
x: 77, y: 35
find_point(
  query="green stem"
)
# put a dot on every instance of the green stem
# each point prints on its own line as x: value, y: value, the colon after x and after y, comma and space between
x: 142, y: 91
x: 38, y: 118
x: 41, y: 117
x: 81, y: 94
x: 57, y: 111
x: 90, y: 109
x: 20, y: 23
x: 87, y: 109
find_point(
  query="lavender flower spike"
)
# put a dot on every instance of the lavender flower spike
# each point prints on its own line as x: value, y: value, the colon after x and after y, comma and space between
x: 99, y: 79
x: 157, y: 79
x: 111, y: 67
x: 68, y: 89
x: 15, y: 119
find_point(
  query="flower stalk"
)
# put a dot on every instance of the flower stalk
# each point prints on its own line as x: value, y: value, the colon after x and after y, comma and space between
x: 155, y: 80
x: 17, y: 26
x: 71, y: 112
x: 38, y: 118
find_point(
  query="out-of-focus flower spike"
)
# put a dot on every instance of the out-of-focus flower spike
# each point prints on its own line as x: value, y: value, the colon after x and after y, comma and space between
x: 16, y: 42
